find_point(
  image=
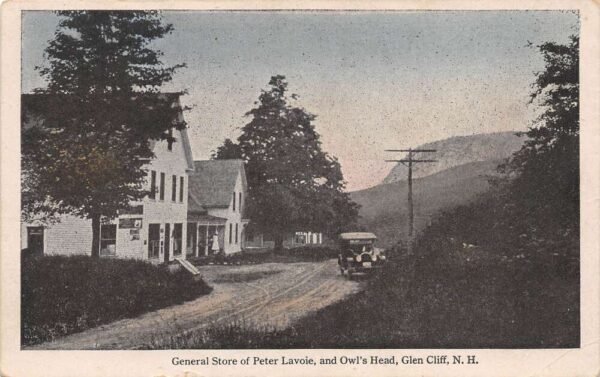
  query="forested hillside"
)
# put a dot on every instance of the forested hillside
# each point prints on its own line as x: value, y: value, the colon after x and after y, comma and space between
x: 499, y: 272
x: 384, y: 207
x: 460, y: 150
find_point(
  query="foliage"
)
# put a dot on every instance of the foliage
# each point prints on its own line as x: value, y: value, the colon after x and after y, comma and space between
x: 62, y: 295
x: 544, y: 174
x: 465, y: 289
x: 503, y: 271
x: 292, y: 183
x: 88, y: 133
x: 298, y: 254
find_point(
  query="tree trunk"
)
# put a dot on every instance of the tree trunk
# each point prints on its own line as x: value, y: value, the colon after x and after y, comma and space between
x: 95, y: 236
x: 278, y: 243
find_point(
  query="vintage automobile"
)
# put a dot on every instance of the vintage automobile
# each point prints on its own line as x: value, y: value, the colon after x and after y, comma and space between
x: 358, y: 253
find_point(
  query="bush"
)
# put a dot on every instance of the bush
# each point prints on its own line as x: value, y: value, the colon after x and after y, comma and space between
x: 298, y: 254
x: 472, y: 282
x: 61, y: 295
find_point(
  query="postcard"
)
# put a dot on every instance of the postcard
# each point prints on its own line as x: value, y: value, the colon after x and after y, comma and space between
x: 328, y: 188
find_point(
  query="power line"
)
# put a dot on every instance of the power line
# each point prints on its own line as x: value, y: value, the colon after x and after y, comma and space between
x: 408, y: 162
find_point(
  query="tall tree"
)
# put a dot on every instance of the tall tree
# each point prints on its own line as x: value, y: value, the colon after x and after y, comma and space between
x: 546, y: 169
x: 293, y: 184
x: 87, y: 134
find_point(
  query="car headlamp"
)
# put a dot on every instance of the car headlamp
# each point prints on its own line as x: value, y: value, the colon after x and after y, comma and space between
x: 374, y: 257
x: 358, y: 258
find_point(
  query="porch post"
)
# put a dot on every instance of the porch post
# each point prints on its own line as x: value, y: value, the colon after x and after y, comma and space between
x: 206, y: 244
x: 196, y: 246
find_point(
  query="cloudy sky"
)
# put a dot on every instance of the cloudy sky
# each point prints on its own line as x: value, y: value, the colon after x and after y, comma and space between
x: 375, y: 80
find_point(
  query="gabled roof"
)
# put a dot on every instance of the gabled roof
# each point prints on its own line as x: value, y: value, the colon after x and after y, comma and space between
x: 33, y: 103
x: 212, y: 184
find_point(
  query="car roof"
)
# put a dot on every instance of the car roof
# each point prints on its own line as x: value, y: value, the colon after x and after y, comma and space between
x: 358, y: 236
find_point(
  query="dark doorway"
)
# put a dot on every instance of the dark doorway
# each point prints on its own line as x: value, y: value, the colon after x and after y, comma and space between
x: 35, y: 239
x: 177, y: 239
x: 202, y: 240
x: 192, y: 235
x: 167, y: 241
x: 153, y: 240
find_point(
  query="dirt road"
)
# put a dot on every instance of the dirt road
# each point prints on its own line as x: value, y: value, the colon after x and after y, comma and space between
x: 273, y: 294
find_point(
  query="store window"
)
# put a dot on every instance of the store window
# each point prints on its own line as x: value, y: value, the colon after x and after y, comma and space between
x: 153, y: 240
x: 108, y: 239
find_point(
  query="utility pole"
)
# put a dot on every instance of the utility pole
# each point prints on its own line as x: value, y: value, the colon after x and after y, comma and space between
x: 408, y: 162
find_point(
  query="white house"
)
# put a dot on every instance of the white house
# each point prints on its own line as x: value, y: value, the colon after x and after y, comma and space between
x: 217, y: 193
x: 154, y: 229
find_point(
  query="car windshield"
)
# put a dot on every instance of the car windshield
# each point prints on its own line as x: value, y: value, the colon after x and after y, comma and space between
x: 362, y: 247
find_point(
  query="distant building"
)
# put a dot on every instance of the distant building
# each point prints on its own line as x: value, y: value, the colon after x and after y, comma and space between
x: 297, y: 239
x: 217, y: 196
x: 153, y: 229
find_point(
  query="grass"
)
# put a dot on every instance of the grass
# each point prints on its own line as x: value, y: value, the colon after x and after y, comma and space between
x: 237, y: 335
x: 484, y: 304
x: 474, y: 281
x: 61, y: 295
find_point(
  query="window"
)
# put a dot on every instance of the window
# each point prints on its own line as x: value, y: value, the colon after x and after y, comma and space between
x: 152, y: 185
x: 170, y: 139
x: 181, y: 181
x: 236, y: 233
x: 153, y: 240
x: 174, y: 188
x: 35, y: 239
x: 108, y: 239
x: 300, y: 238
x: 234, y: 201
x: 230, y: 232
x: 162, y: 186
x: 177, y: 239
x: 240, y: 202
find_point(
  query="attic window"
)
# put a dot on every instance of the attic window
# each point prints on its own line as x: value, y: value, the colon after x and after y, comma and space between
x: 170, y: 139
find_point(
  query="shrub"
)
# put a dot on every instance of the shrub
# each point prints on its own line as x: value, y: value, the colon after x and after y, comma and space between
x: 62, y: 295
x: 471, y: 282
x: 298, y: 254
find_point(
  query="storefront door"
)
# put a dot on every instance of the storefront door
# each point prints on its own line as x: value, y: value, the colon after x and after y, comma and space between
x: 167, y: 241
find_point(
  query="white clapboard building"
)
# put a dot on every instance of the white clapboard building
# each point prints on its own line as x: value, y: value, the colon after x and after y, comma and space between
x: 155, y: 227
x: 217, y: 196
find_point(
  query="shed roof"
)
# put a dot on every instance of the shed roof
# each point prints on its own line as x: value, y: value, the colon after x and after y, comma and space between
x: 212, y: 183
x: 204, y: 219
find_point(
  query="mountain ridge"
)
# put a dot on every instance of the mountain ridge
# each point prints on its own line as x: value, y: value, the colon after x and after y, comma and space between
x: 461, y: 174
x: 459, y: 150
x: 384, y: 207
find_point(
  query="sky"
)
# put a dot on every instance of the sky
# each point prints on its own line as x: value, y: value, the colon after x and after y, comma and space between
x: 375, y: 80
